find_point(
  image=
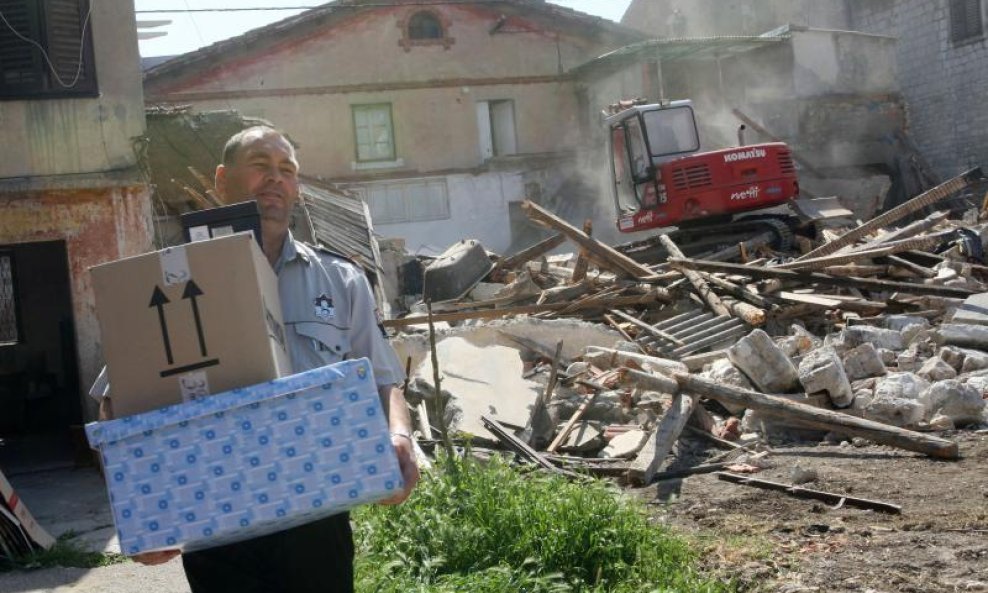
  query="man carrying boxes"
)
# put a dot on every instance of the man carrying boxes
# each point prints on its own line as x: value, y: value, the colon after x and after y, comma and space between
x: 329, y: 316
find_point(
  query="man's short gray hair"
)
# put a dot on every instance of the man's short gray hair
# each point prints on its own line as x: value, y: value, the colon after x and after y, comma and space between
x: 237, y: 141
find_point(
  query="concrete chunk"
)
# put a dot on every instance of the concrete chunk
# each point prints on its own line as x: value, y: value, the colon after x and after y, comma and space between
x: 901, y: 322
x: 863, y: 361
x: 481, y: 380
x: 936, y: 369
x: 821, y: 371
x: 968, y: 336
x: 974, y: 311
x: 896, y: 400
x: 726, y: 373
x: 960, y: 402
x: 757, y: 356
x: 856, y: 335
x: 625, y: 444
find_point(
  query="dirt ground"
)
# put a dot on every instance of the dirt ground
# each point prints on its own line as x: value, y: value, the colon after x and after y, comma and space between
x: 770, y: 541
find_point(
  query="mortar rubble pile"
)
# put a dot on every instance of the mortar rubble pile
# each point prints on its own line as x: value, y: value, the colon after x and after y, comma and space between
x: 870, y: 332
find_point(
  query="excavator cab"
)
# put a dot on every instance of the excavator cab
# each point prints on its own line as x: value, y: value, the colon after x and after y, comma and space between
x: 642, y: 137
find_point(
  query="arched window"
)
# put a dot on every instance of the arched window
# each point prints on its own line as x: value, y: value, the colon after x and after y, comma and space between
x: 424, y: 25
x: 424, y: 28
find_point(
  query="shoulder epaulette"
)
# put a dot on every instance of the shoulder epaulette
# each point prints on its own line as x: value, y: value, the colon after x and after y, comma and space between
x: 327, y: 251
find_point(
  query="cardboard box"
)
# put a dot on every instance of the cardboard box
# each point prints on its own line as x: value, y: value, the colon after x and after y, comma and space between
x: 249, y: 462
x: 21, y: 518
x: 189, y: 321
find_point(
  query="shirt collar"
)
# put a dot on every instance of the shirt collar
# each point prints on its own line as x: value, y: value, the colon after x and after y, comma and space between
x: 289, y: 252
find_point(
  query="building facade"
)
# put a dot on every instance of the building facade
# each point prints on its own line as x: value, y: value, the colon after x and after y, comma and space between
x: 442, y: 117
x: 72, y: 195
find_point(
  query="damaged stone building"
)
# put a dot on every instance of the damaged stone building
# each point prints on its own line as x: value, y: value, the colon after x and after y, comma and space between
x: 442, y: 117
x: 938, y: 59
x: 72, y: 195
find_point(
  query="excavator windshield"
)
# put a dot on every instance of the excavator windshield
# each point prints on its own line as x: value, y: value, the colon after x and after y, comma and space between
x: 671, y: 131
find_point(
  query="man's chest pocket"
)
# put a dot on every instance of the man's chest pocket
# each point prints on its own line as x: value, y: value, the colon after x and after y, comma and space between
x: 329, y: 343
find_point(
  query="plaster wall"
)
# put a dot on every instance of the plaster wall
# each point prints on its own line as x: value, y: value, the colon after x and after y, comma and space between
x: 82, y: 135
x: 97, y: 225
x: 435, y: 129
x: 365, y: 49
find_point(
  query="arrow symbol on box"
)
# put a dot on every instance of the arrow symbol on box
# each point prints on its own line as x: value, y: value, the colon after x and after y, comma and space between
x: 159, y: 300
x: 192, y: 291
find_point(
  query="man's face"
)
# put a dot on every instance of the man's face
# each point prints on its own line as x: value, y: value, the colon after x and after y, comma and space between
x: 264, y: 170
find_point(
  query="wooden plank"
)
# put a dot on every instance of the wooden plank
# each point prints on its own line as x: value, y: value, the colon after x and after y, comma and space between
x: 927, y: 198
x: 506, y: 437
x: 837, y: 500
x: 526, y: 310
x: 613, y: 259
x: 538, y: 421
x: 527, y: 255
x: 824, y: 279
x: 660, y: 443
x: 812, y: 417
x: 699, y: 284
x: 648, y: 328
x: 568, y: 427
x: 582, y: 261
x: 826, y: 301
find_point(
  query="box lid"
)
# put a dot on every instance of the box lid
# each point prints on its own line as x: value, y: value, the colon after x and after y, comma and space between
x: 343, y: 375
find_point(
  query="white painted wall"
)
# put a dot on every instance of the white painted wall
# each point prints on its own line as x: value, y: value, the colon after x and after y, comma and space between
x: 478, y: 208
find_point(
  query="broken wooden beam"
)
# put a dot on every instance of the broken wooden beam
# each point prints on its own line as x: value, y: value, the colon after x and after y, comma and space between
x: 824, y: 279
x: 699, y: 284
x: 568, y: 427
x: 527, y: 255
x: 927, y: 198
x: 508, y: 438
x: 648, y: 328
x: 838, y: 500
x: 811, y: 417
x: 660, y: 443
x: 600, y: 252
x: 582, y: 260
x: 706, y: 468
x: 608, y: 303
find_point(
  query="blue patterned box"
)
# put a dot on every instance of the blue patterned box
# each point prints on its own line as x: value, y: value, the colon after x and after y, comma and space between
x: 248, y: 462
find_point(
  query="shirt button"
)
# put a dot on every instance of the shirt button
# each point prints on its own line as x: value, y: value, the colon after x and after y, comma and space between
x: 338, y: 348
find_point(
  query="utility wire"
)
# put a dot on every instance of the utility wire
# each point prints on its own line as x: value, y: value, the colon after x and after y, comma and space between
x: 328, y: 6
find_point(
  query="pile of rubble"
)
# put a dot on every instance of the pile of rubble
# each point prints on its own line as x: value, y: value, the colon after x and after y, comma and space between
x: 878, y: 333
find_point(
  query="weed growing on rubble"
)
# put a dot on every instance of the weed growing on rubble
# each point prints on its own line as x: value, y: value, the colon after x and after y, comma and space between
x: 66, y: 552
x: 489, y: 528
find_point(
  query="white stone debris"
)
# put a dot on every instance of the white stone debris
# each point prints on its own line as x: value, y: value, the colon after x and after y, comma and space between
x: 936, y: 369
x: 821, y: 371
x: 757, y: 356
x: 960, y: 402
x: 864, y: 361
x: 896, y: 400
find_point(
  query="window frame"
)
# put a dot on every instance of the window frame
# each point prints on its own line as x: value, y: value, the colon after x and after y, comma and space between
x: 354, y: 108
x: 15, y: 308
x: 364, y: 191
x: 47, y: 87
x: 969, y: 36
x: 408, y: 42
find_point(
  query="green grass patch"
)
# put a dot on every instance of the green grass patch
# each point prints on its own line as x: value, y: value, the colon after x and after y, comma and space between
x: 65, y: 552
x: 485, y: 527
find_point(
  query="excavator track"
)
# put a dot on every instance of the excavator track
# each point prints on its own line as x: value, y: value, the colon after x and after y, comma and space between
x: 718, y: 241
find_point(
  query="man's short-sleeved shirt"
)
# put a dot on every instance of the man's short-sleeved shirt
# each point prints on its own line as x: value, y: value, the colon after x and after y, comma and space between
x: 330, y: 313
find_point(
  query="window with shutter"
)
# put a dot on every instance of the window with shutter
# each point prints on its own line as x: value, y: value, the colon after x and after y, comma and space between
x: 966, y: 21
x: 46, y: 49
